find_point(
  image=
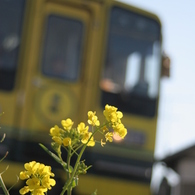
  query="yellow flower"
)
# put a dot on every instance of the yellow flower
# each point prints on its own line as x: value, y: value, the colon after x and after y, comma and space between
x: 38, y: 178
x: 123, y: 132
x: 67, y: 141
x: 24, y: 175
x: 55, y: 131
x: 108, y: 110
x: 109, y: 136
x: 85, y: 139
x: 33, y: 183
x: 104, y: 128
x: 82, y: 128
x: 45, y: 170
x: 57, y: 139
x: 91, y: 142
x: 120, y: 130
x: 93, y: 119
x: 39, y: 191
x: 102, y: 143
x: 111, y: 114
x: 47, y: 182
x: 24, y: 190
x: 30, y: 167
x: 67, y: 124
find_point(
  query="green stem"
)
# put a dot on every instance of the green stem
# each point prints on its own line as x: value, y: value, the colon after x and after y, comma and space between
x: 66, y: 186
x: 68, y: 162
x: 69, y: 191
x: 75, y: 150
x: 4, y: 156
x: 68, y: 173
x: 6, y: 192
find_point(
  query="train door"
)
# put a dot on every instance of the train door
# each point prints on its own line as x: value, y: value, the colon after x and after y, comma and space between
x: 52, y: 82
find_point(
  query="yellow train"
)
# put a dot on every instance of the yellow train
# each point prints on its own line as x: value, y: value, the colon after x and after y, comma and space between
x: 61, y: 58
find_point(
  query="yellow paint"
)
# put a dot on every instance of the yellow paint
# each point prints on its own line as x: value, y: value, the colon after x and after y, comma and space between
x: 104, y: 186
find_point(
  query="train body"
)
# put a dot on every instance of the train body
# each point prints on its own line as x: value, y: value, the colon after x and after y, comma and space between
x: 62, y: 58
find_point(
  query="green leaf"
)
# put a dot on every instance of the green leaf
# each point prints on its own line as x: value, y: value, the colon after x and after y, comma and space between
x: 70, y: 169
x: 88, y: 167
x: 54, y: 156
x: 75, y: 182
x: 57, y: 148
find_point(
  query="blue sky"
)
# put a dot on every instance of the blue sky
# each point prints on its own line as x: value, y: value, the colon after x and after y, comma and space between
x: 177, y: 103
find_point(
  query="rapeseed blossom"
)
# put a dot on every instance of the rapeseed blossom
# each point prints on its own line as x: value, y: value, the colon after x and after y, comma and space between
x: 109, y: 136
x: 114, y: 117
x: 88, y: 139
x: 67, y: 124
x: 38, y: 178
x: 93, y: 119
x: 71, y: 137
x: 120, y: 130
x: 82, y: 128
x: 67, y: 141
x: 74, y: 140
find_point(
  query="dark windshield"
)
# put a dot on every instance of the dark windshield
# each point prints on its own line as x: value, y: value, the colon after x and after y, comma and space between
x: 132, y: 68
x: 11, y: 16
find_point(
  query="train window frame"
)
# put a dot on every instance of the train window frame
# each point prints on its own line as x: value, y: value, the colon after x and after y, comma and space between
x: 10, y: 42
x: 137, y: 102
x: 60, y: 61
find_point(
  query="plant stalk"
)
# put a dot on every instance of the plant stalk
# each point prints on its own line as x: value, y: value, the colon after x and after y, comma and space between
x: 2, y: 184
x: 66, y: 186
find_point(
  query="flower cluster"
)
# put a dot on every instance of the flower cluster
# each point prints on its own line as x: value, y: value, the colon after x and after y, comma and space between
x: 72, y: 137
x: 74, y: 140
x: 38, y: 178
x: 114, y: 118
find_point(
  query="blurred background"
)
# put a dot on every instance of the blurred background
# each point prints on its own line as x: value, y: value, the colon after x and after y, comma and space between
x: 175, y: 130
x: 177, y: 107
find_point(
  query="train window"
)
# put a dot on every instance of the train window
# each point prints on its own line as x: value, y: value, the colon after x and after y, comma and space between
x: 131, y: 75
x: 11, y: 15
x: 62, y: 48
